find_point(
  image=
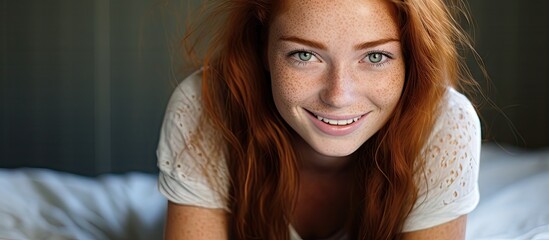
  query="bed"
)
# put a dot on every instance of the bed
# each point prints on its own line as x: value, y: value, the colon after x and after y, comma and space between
x: 514, y: 193
x: 45, y: 204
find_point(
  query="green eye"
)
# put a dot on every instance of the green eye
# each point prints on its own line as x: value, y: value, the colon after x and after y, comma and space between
x: 304, y: 56
x: 375, y: 57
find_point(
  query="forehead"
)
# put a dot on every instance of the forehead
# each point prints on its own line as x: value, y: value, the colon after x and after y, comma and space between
x: 318, y: 17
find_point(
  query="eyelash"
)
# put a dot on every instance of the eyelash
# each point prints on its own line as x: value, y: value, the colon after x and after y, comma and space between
x: 295, y: 60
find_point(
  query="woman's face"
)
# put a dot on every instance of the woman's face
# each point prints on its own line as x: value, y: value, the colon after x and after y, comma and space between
x: 337, y: 70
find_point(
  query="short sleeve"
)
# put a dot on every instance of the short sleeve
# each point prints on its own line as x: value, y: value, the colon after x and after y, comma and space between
x: 448, y: 182
x: 190, y: 154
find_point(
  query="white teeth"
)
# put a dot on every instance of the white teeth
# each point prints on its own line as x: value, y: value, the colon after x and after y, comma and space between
x: 338, y: 122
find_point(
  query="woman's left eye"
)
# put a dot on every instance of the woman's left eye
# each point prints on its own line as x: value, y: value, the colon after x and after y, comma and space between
x: 377, y: 57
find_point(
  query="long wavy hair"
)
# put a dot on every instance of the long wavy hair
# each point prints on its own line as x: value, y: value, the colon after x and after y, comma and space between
x: 264, y: 176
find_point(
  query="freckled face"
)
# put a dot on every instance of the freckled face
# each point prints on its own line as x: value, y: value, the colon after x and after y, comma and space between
x: 337, y: 70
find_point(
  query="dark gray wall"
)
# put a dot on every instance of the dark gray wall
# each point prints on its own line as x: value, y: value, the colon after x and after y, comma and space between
x: 84, y: 84
x: 511, y: 37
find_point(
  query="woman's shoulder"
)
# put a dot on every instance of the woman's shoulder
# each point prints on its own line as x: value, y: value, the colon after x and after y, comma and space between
x: 457, y: 126
x: 448, y: 180
x: 187, y: 94
x: 456, y: 98
x: 456, y: 114
x: 183, y: 112
x: 187, y: 139
x: 190, y: 152
x: 452, y: 153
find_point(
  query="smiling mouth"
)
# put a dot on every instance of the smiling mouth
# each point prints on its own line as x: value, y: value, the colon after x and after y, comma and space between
x: 334, y: 122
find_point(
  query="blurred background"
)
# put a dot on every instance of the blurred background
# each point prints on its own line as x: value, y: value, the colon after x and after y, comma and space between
x: 84, y: 84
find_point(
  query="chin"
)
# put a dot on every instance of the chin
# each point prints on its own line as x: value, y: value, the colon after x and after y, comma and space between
x: 336, y: 152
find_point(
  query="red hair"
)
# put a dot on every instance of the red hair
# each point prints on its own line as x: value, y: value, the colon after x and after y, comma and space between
x: 430, y: 37
x: 260, y: 158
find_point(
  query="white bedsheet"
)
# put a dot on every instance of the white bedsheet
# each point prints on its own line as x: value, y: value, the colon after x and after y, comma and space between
x: 44, y: 204
x: 514, y: 193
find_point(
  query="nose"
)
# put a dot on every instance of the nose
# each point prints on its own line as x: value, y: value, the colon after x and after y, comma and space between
x: 339, y: 89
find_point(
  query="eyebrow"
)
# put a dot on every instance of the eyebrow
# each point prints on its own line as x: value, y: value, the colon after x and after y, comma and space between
x: 310, y: 43
x: 321, y: 46
x: 375, y: 43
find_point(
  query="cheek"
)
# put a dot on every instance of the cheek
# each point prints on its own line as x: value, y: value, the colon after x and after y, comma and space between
x: 390, y: 93
x: 286, y: 85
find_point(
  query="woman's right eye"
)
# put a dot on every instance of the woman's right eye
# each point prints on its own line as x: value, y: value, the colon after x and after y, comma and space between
x: 302, y: 57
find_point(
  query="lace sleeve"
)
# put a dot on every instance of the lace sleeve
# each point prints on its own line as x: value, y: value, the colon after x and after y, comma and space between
x: 448, y: 182
x: 189, y: 154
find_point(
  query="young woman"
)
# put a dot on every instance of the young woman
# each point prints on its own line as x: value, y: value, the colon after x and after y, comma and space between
x: 320, y: 119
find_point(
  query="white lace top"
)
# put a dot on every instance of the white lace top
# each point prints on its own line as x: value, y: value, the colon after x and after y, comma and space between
x: 448, y: 186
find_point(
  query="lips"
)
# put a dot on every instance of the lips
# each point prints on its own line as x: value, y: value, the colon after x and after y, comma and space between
x: 336, y: 125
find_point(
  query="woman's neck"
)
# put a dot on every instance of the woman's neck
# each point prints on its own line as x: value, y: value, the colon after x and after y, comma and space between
x: 323, y: 203
x: 312, y: 162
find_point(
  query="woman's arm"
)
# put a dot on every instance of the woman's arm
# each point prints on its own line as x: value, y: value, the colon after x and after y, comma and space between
x: 188, y: 222
x: 453, y: 230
